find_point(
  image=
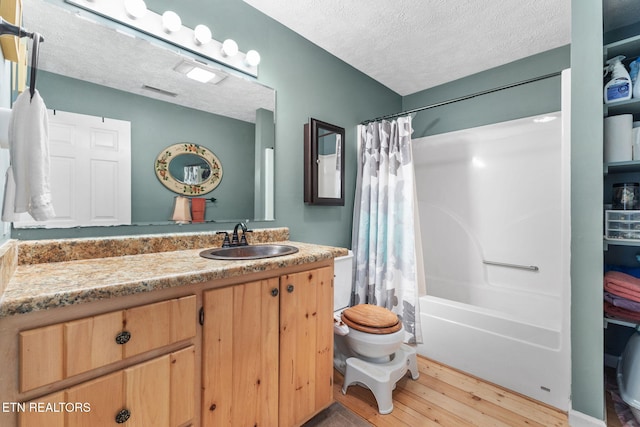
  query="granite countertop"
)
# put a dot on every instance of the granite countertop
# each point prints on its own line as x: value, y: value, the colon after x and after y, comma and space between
x: 35, y: 287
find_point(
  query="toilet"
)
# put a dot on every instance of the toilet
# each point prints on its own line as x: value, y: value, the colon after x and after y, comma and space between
x: 368, y: 342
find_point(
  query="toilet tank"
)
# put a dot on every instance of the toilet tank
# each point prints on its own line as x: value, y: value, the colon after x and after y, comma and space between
x: 342, y: 271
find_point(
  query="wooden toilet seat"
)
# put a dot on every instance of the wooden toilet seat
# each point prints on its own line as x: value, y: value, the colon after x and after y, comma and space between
x: 371, y: 319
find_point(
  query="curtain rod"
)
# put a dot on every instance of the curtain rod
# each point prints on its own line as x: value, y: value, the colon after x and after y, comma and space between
x: 463, y: 98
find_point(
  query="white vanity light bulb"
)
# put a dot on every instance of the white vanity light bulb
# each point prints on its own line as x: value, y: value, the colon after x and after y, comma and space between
x: 171, y: 22
x: 253, y: 58
x: 229, y: 48
x: 202, y: 34
x: 135, y: 9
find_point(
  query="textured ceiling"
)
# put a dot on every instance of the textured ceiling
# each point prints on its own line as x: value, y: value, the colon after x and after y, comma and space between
x: 411, y: 45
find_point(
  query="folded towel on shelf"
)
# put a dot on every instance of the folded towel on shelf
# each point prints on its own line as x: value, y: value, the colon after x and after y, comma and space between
x: 623, y: 285
x: 620, y: 313
x: 621, y: 302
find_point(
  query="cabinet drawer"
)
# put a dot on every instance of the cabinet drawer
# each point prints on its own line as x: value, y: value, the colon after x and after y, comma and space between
x: 52, y: 353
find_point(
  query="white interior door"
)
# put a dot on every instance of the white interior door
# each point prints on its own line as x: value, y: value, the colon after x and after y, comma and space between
x: 90, y: 172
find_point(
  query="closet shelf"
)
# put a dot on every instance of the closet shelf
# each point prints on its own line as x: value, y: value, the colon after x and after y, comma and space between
x: 622, y: 167
x: 628, y: 324
x: 630, y: 106
x: 629, y: 47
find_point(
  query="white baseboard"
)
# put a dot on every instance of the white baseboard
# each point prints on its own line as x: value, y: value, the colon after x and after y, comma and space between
x: 578, y: 419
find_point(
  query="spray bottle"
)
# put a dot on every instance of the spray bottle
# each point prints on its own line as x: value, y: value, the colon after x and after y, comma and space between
x: 619, y: 87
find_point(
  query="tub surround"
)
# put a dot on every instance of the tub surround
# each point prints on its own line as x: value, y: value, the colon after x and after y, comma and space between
x: 118, y: 267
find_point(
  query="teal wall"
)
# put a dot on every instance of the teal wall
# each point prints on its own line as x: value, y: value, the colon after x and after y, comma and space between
x: 522, y: 101
x: 586, y: 208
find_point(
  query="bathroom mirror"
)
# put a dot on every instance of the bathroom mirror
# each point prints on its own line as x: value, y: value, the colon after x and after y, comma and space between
x: 188, y: 169
x: 91, y: 66
x: 323, y: 164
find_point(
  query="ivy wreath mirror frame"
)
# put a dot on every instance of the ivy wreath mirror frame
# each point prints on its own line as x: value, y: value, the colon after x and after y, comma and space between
x: 198, y: 179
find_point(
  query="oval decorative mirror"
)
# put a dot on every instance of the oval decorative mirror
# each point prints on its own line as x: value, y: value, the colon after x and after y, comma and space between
x: 187, y: 168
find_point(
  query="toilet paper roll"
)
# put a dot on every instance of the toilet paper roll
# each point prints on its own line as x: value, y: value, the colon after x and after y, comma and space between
x: 618, y: 138
x: 5, y: 115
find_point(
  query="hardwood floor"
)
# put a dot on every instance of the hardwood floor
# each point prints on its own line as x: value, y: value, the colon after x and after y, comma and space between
x: 445, y: 397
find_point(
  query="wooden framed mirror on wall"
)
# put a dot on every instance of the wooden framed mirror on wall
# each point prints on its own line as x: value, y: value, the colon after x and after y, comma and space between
x: 323, y: 164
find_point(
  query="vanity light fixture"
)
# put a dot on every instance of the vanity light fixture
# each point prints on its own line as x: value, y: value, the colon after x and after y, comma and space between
x: 171, y: 22
x: 229, y: 48
x: 201, y: 34
x: 168, y: 28
x: 135, y: 9
x: 253, y: 58
x: 200, y: 72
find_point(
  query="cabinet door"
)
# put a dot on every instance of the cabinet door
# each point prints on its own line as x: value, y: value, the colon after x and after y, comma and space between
x: 306, y: 344
x: 240, y: 355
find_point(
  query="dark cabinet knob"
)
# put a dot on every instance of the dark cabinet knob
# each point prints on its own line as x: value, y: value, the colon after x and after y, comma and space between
x: 123, y: 416
x: 123, y: 337
x: 275, y: 292
x: 290, y: 288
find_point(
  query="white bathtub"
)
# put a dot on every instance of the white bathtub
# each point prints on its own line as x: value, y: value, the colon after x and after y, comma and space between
x: 496, y: 347
x: 499, y: 194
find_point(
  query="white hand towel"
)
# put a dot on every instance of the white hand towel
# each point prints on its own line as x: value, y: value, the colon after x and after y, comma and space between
x: 29, y: 152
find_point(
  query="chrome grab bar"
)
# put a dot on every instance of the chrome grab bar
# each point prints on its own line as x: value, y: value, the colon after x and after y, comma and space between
x: 518, y: 266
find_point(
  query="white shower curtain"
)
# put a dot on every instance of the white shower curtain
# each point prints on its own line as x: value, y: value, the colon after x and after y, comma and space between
x: 384, y: 225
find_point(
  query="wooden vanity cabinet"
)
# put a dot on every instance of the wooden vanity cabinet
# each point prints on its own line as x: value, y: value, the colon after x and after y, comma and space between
x: 267, y: 351
x: 156, y: 393
x: 263, y: 357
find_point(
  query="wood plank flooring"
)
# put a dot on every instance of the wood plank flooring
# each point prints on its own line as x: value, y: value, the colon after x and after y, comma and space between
x: 445, y: 397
